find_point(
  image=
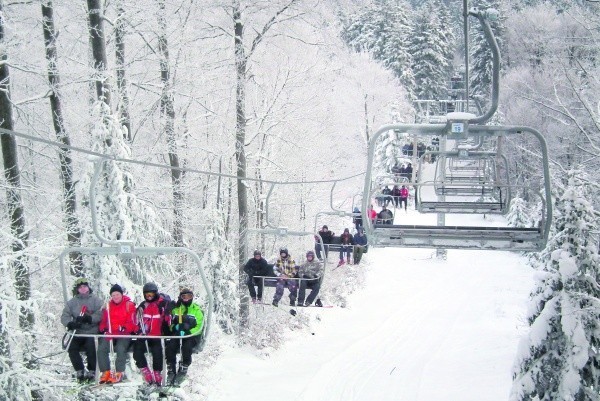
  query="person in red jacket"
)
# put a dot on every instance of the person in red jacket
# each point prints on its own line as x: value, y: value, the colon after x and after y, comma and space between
x: 404, y: 197
x: 154, y: 319
x: 118, y: 318
x: 372, y: 214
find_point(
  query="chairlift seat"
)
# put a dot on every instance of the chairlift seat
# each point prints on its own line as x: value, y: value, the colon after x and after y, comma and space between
x: 462, y: 207
x: 458, y: 237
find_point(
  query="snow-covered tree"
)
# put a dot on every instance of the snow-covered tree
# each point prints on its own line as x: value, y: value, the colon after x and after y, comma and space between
x: 429, y: 50
x: 383, y: 29
x: 558, y: 360
x: 121, y: 215
x: 519, y: 214
x: 481, y: 53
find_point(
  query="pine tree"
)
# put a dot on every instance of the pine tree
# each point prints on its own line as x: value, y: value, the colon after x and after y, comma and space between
x: 219, y: 262
x: 481, y: 53
x: 558, y: 359
x: 383, y: 29
x: 518, y: 214
x: 429, y: 50
x: 120, y: 214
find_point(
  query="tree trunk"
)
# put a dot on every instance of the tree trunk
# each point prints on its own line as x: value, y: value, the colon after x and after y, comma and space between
x: 15, y: 208
x: 64, y: 154
x: 240, y: 156
x: 97, y: 38
x: 168, y: 111
x: 124, y: 115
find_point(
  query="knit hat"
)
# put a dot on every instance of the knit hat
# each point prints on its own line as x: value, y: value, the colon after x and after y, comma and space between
x: 116, y: 287
x: 257, y: 252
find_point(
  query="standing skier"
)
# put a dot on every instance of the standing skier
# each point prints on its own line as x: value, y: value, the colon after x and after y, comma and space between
x: 81, y: 315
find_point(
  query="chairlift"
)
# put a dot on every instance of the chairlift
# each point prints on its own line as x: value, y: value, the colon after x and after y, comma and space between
x: 459, y: 237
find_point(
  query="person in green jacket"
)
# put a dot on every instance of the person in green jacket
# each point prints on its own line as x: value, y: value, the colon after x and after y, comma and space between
x: 187, y: 319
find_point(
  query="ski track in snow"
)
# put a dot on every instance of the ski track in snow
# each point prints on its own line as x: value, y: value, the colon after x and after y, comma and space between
x: 422, y: 329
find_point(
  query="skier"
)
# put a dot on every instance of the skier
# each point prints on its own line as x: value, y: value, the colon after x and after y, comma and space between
x: 257, y: 266
x: 154, y: 318
x: 286, y: 270
x: 311, y: 273
x: 385, y: 216
x: 81, y: 315
x: 347, y: 241
x: 327, y: 238
x: 360, y: 245
x: 118, y: 318
x: 187, y: 319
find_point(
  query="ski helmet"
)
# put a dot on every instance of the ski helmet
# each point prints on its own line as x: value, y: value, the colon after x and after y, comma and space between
x: 310, y: 253
x: 283, y: 250
x: 80, y: 281
x: 150, y: 287
x: 257, y: 252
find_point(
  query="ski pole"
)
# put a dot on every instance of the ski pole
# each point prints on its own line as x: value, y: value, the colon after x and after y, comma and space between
x: 83, y: 310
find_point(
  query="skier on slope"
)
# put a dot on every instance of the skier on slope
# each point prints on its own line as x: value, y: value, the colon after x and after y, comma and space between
x: 81, y: 315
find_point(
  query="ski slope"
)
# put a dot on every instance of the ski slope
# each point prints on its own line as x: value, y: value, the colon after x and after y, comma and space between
x: 422, y: 329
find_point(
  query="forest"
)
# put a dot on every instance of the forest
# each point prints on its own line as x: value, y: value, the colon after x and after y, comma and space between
x: 185, y: 117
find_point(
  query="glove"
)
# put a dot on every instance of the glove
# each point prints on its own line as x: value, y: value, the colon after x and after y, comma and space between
x: 73, y: 325
x: 185, y: 327
x: 121, y: 329
x: 84, y: 319
x: 190, y: 320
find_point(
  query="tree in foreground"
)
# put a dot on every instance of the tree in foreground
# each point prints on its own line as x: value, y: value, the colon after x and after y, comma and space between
x: 558, y: 359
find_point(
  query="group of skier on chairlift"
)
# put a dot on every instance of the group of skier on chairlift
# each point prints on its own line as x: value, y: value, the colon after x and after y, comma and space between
x: 287, y: 274
x: 87, y: 316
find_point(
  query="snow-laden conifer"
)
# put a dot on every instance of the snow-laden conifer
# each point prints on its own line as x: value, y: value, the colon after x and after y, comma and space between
x: 558, y: 359
x: 121, y: 215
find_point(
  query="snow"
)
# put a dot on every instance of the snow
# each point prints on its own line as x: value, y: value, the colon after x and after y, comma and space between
x: 421, y: 329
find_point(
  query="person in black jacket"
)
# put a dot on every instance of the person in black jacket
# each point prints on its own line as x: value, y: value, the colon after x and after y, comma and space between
x: 257, y: 266
x: 327, y: 237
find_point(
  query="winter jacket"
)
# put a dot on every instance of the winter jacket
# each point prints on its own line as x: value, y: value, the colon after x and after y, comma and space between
x: 404, y: 192
x: 73, y: 307
x: 259, y: 267
x: 386, y: 216
x: 155, y: 316
x: 346, y: 239
x: 357, y: 219
x: 360, y: 239
x: 396, y: 191
x: 119, y: 318
x: 326, y: 236
x: 386, y: 191
x: 184, y: 314
x: 372, y: 214
x: 285, y: 266
x: 312, y: 269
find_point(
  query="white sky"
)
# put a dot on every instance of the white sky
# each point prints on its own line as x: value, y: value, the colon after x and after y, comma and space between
x: 422, y: 329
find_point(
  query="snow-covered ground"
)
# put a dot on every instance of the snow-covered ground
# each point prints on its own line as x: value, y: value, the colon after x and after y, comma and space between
x: 421, y: 329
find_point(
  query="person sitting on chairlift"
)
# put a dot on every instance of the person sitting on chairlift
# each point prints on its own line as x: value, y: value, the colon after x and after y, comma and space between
x: 327, y: 237
x: 81, y: 315
x: 187, y: 318
x: 385, y: 216
x: 311, y: 273
x: 286, y: 270
x: 257, y: 266
x: 347, y: 241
